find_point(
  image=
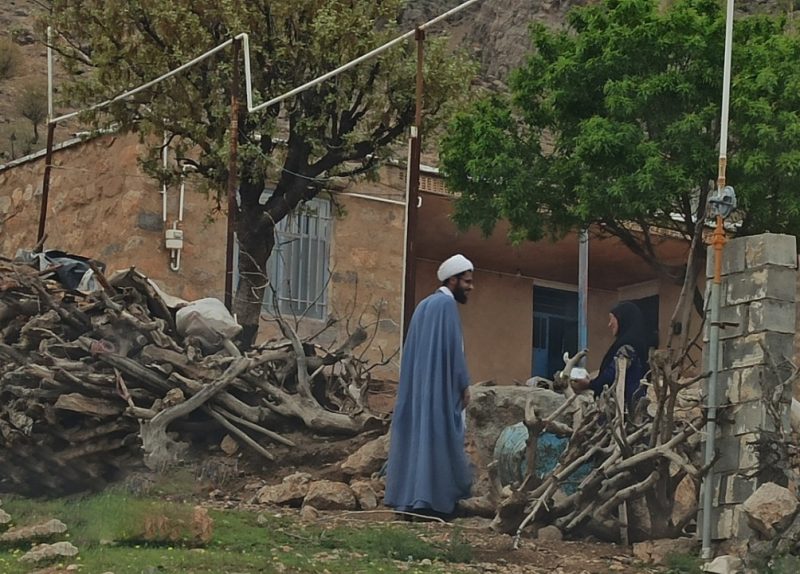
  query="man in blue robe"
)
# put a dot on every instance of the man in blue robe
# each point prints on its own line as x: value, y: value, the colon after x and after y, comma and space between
x: 428, y: 470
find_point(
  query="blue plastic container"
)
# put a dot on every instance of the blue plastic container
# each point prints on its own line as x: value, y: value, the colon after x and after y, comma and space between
x: 509, y: 452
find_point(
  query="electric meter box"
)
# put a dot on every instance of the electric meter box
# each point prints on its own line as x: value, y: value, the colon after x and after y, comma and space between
x: 174, y: 238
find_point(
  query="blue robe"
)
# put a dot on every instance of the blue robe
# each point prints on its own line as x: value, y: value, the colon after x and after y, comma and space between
x: 428, y: 467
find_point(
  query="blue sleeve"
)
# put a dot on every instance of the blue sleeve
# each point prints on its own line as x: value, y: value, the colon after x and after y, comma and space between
x: 604, y: 378
x: 460, y: 371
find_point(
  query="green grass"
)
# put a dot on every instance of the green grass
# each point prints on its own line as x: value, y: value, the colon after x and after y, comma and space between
x: 107, y: 530
x: 684, y: 564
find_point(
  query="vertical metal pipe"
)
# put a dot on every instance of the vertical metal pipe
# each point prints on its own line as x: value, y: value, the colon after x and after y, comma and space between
x: 718, y: 242
x: 413, y: 189
x: 232, y: 177
x: 583, y: 291
x: 164, y: 164
x: 49, y: 74
x: 48, y: 164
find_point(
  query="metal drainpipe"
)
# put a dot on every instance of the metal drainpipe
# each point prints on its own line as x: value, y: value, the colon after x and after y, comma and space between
x: 583, y: 292
x: 718, y: 242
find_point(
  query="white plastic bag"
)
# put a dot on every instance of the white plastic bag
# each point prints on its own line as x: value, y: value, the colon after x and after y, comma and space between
x: 208, y: 320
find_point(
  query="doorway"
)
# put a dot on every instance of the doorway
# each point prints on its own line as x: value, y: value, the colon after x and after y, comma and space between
x: 555, y: 329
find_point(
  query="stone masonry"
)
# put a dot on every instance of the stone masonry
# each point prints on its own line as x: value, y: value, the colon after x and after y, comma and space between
x: 757, y: 341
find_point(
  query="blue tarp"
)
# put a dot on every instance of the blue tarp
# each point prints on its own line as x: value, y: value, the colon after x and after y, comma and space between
x: 509, y: 452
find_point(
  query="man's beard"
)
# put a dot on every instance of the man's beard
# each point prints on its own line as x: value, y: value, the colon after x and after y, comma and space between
x: 460, y: 294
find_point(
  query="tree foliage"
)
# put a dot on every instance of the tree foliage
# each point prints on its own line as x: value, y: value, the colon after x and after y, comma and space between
x: 10, y: 58
x: 32, y: 105
x: 341, y: 127
x: 615, y: 122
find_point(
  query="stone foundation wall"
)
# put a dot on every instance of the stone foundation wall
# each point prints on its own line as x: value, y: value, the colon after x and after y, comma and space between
x: 756, y: 346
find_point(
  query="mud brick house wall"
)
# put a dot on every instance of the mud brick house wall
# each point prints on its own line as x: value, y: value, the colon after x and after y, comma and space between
x: 520, y: 319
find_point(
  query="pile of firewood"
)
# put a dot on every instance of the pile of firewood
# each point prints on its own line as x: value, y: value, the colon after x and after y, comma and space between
x: 637, y: 461
x: 93, y: 383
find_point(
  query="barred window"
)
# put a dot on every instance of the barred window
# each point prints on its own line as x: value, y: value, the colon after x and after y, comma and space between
x: 298, y: 266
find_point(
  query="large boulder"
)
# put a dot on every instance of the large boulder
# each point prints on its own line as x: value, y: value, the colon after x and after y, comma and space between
x: 365, y: 494
x: 290, y: 492
x: 369, y: 458
x: 40, y: 531
x: 329, y: 495
x: 725, y: 564
x: 770, y: 509
x: 48, y: 552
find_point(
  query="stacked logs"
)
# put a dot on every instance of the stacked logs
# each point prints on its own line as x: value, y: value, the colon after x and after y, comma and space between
x: 637, y: 461
x: 93, y: 383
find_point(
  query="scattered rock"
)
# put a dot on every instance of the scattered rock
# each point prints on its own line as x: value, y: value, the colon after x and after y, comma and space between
x: 35, y: 532
x: 726, y: 564
x: 659, y: 551
x: 686, y: 496
x: 262, y: 519
x: 23, y: 37
x: 73, y: 568
x: 365, y: 495
x: 369, y: 458
x: 291, y: 491
x: 329, y: 495
x: 229, y: 445
x: 425, y: 562
x: 550, y: 534
x: 770, y: 509
x: 5, y: 517
x: 309, y: 513
x: 42, y: 552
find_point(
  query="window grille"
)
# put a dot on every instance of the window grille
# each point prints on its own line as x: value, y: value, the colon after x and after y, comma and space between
x: 298, y: 266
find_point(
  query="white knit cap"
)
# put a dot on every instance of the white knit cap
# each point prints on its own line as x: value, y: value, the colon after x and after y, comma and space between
x: 455, y: 265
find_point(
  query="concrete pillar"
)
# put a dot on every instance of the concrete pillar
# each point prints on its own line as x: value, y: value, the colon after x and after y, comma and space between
x: 758, y: 311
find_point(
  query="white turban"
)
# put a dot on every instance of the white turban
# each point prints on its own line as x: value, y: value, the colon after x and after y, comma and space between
x: 455, y: 265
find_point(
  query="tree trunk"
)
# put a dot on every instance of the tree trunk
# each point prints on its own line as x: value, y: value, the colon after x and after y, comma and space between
x: 256, y: 230
x: 256, y: 236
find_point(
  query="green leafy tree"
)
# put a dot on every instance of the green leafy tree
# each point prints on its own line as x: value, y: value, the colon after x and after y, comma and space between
x: 614, y: 123
x: 340, y: 128
x: 32, y: 105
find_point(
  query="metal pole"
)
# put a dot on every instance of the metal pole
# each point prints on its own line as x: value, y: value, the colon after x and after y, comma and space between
x: 48, y: 163
x: 232, y: 179
x: 49, y: 74
x: 583, y: 291
x: 412, y: 185
x: 718, y: 242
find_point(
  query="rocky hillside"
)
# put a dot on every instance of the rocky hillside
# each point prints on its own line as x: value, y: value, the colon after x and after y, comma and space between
x: 496, y: 31
x: 23, y: 74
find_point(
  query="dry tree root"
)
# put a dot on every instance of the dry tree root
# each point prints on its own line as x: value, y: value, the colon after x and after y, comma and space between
x: 634, y: 457
x: 90, y: 384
